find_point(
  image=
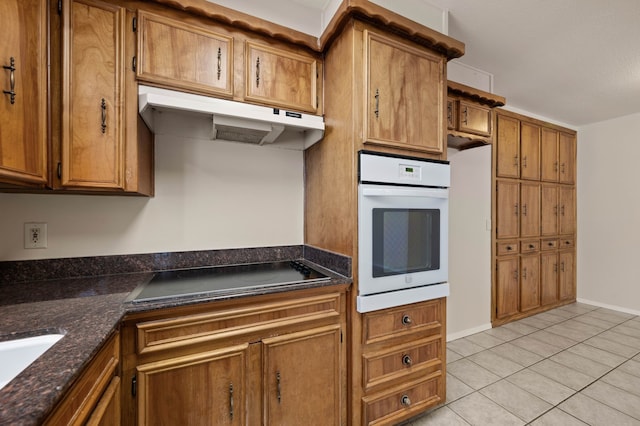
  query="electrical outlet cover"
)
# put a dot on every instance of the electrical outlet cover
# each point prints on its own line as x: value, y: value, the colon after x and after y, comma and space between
x: 35, y: 235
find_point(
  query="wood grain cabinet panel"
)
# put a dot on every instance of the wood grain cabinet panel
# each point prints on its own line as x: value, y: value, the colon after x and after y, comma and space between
x: 549, y: 210
x: 529, y: 209
x: 280, y: 77
x: 567, y: 210
x: 508, y: 147
x: 548, y: 278
x: 507, y: 291
x: 529, y: 151
x: 23, y: 110
x: 549, y: 165
x: 567, y: 276
x: 404, y: 95
x: 508, y: 209
x: 474, y: 118
x: 183, y: 55
x: 567, y: 158
x: 529, y: 282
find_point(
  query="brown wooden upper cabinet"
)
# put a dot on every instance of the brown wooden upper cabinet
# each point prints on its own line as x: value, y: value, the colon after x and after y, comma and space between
x: 508, y: 147
x: 529, y: 151
x: 23, y: 101
x: 549, y: 155
x: 473, y: 118
x: 404, y: 95
x: 183, y: 55
x: 567, y: 158
x: 280, y: 78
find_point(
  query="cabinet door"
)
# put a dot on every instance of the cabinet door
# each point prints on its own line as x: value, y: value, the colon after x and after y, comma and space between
x: 567, y: 157
x: 195, y: 389
x: 107, y: 411
x: 281, y: 78
x: 404, y: 95
x: 567, y: 207
x: 302, y: 377
x: 176, y: 54
x: 529, y: 282
x: 549, y: 210
x: 530, y: 209
x: 507, y: 209
x: 548, y: 278
x: 474, y: 118
x: 23, y: 113
x: 93, y: 94
x: 549, y: 155
x: 529, y: 151
x: 508, y: 147
x: 566, y: 279
x: 507, y: 287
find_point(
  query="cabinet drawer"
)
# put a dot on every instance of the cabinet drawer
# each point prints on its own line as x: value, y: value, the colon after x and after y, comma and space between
x: 213, y: 326
x: 567, y: 243
x: 404, y: 401
x: 422, y: 356
x: 506, y: 247
x: 529, y: 246
x: 551, y: 244
x: 403, y: 320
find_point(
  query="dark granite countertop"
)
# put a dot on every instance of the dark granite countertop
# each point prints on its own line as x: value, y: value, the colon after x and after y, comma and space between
x: 89, y: 309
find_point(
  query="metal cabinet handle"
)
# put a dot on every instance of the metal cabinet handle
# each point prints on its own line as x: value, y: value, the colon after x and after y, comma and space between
x: 103, y: 107
x: 405, y: 400
x: 279, y: 393
x: 258, y: 72
x: 406, y: 360
x: 562, y: 210
x: 524, y: 274
x: 464, y: 115
x: 524, y: 162
x: 562, y: 168
x: 406, y: 320
x: 219, y: 62
x: 555, y: 210
x: 555, y: 166
x: 377, y: 110
x: 555, y: 267
x: 509, y: 248
x: 515, y: 161
x: 562, y: 266
x: 531, y: 246
x: 515, y: 274
x: 12, y: 79
x: 524, y: 210
x: 450, y: 113
x: 550, y: 243
x: 516, y: 208
x: 231, y: 400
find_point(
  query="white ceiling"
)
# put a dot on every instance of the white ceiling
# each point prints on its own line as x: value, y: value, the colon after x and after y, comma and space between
x: 572, y: 61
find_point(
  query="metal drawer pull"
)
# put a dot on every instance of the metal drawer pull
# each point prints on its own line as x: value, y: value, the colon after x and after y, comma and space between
x: 219, y: 62
x: 509, y: 248
x: 231, y: 401
x: 524, y: 210
x: 406, y: 320
x: 377, y: 110
x: 405, y: 400
x: 103, y: 107
x: 516, y: 208
x: 406, y: 360
x: 524, y: 162
x: 524, y: 274
x: 531, y: 246
x: 258, y: 72
x: 12, y: 79
x: 515, y: 161
x: 464, y: 113
x: 279, y: 393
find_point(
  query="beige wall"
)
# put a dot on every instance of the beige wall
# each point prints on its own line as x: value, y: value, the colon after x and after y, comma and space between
x: 209, y: 195
x: 469, y: 305
x: 609, y: 213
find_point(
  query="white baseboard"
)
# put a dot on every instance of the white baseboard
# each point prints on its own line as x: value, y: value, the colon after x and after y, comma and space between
x: 612, y: 307
x: 467, y: 332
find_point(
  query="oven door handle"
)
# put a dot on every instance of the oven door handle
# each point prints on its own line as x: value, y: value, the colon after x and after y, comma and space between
x: 406, y: 192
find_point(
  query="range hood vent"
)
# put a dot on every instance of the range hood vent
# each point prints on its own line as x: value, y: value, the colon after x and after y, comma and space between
x: 230, y: 120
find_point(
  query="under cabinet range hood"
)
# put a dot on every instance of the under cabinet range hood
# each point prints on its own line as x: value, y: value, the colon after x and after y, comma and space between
x: 227, y: 120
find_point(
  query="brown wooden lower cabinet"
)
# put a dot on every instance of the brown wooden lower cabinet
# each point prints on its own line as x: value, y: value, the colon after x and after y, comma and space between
x: 273, y: 360
x: 94, y: 399
x: 403, y: 362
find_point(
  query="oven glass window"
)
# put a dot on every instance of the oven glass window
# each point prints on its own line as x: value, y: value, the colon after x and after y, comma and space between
x: 405, y: 241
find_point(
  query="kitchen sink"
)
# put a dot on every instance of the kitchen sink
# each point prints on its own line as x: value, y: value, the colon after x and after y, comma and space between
x: 18, y: 354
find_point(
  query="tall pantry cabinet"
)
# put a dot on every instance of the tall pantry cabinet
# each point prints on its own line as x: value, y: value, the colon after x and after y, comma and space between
x: 384, y: 91
x: 535, y: 217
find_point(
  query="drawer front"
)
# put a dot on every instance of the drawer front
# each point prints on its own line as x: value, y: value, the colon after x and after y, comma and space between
x: 424, y: 356
x: 529, y: 246
x: 567, y: 243
x: 549, y: 244
x: 403, y: 402
x: 506, y: 247
x: 212, y: 326
x: 396, y: 322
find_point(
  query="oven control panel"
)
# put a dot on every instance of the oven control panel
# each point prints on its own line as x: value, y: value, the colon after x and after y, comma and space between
x: 409, y: 172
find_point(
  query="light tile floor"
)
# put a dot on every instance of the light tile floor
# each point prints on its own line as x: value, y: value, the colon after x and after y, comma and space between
x: 573, y: 365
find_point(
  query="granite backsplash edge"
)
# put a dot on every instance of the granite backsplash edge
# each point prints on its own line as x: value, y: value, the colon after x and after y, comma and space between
x: 15, y: 272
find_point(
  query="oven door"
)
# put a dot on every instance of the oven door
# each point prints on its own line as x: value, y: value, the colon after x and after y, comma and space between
x: 402, y: 238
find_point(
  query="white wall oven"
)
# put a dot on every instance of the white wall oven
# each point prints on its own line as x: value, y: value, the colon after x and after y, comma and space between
x: 402, y: 230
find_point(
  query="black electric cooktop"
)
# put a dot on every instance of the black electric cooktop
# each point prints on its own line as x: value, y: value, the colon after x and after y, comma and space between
x: 224, y: 279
